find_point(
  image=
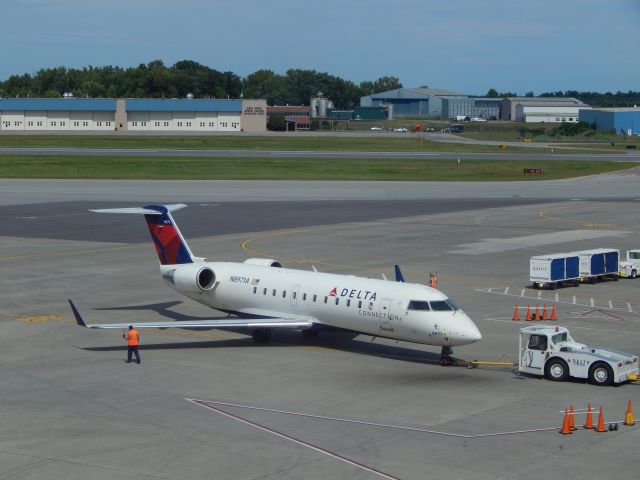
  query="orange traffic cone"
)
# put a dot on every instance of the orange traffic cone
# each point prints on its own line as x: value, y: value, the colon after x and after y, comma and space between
x: 566, y: 428
x: 528, y: 317
x: 601, y: 422
x: 589, y: 423
x: 554, y: 315
x: 572, y: 421
x: 537, y: 315
x: 544, y: 312
x: 628, y: 417
x: 516, y: 315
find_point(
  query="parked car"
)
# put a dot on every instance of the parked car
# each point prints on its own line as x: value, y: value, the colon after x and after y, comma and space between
x: 400, y: 129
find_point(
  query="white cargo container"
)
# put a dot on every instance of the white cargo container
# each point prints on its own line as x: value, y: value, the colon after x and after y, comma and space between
x: 554, y: 270
x: 599, y: 264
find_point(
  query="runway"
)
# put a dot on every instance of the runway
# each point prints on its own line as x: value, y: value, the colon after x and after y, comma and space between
x: 248, y: 153
x: 333, y: 407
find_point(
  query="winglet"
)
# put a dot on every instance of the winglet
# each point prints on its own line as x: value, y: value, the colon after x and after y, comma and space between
x: 399, y: 276
x: 76, y: 314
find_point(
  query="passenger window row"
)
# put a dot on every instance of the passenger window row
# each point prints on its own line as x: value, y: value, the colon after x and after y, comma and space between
x: 314, y: 297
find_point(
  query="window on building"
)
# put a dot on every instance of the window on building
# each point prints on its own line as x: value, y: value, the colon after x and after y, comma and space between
x: 337, y: 300
x: 348, y: 303
x: 166, y: 124
x: 212, y: 124
x: 325, y: 299
x: 304, y: 297
x: 39, y: 124
x: 359, y: 303
x: 315, y: 297
x: 255, y: 289
x: 273, y: 293
x: 202, y: 124
x: 157, y: 124
x: 284, y: 293
x: 188, y: 124
x: 264, y: 291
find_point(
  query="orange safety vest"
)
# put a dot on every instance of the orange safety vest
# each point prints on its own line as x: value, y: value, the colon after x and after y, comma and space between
x: 132, y: 338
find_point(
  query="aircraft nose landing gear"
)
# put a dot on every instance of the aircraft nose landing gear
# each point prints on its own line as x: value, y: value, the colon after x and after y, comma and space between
x: 445, y: 356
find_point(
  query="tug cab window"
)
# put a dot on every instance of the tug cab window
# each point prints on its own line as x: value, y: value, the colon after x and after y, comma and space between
x: 419, y: 305
x: 537, y: 342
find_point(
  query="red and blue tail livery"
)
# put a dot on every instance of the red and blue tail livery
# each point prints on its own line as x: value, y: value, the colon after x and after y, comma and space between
x: 169, y: 242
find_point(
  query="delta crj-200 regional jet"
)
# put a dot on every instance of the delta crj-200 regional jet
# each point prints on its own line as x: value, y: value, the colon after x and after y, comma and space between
x: 263, y: 295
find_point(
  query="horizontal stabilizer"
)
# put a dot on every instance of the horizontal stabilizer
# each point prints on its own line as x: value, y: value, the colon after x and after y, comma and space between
x: 146, y: 211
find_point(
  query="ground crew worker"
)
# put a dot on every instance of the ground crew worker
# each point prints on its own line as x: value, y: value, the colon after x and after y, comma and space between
x: 133, y: 339
x: 433, y: 280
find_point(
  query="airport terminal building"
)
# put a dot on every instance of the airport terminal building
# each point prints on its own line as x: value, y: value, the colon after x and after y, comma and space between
x: 141, y: 115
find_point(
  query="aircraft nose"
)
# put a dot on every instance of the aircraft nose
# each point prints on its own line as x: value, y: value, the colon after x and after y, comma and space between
x: 470, y: 331
x: 474, y: 333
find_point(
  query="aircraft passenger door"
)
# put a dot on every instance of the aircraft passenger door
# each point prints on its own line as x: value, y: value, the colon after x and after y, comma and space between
x: 385, y: 314
x: 295, y: 291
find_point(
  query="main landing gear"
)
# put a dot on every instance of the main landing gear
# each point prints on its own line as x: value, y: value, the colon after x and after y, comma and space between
x: 445, y: 356
x: 261, y: 335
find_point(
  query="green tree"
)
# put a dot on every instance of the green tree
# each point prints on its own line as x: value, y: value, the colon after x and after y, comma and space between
x: 277, y: 123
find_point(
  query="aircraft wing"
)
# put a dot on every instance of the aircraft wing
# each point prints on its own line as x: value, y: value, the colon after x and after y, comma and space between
x: 290, y: 322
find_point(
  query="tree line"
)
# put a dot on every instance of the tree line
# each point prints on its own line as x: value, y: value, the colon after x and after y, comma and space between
x: 156, y: 80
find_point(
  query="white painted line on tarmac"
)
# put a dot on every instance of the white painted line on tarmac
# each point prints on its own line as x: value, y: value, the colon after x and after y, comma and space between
x: 522, y: 293
x: 557, y: 299
x: 209, y: 403
x: 506, y: 291
x: 549, y: 322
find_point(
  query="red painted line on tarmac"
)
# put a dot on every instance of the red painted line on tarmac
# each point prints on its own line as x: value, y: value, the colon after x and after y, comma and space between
x: 208, y: 403
x: 324, y: 451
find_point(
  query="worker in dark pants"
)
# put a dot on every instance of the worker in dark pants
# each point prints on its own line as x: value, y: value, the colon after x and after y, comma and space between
x: 133, y: 339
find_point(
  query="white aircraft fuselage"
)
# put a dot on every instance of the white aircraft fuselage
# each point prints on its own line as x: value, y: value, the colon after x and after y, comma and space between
x: 264, y: 295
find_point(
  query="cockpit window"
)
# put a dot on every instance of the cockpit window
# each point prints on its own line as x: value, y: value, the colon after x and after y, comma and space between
x: 443, y: 306
x: 419, y: 305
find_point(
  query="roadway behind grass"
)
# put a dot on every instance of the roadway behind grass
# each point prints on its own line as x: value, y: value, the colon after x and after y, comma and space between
x: 389, y: 142
x: 222, y: 168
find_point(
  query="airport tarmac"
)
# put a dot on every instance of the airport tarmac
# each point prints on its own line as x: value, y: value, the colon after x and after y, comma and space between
x: 211, y: 404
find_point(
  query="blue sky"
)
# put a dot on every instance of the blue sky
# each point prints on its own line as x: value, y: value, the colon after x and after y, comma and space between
x: 467, y: 46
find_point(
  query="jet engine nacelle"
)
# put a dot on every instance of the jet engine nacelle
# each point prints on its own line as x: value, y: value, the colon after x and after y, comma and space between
x: 192, y: 278
x: 264, y: 262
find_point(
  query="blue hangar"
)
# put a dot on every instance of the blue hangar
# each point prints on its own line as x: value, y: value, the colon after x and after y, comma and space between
x: 623, y: 121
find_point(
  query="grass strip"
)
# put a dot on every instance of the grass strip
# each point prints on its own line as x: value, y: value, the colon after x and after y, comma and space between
x: 224, y: 168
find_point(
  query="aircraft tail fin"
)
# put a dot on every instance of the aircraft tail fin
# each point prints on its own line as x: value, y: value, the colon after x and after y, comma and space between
x: 170, y: 245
